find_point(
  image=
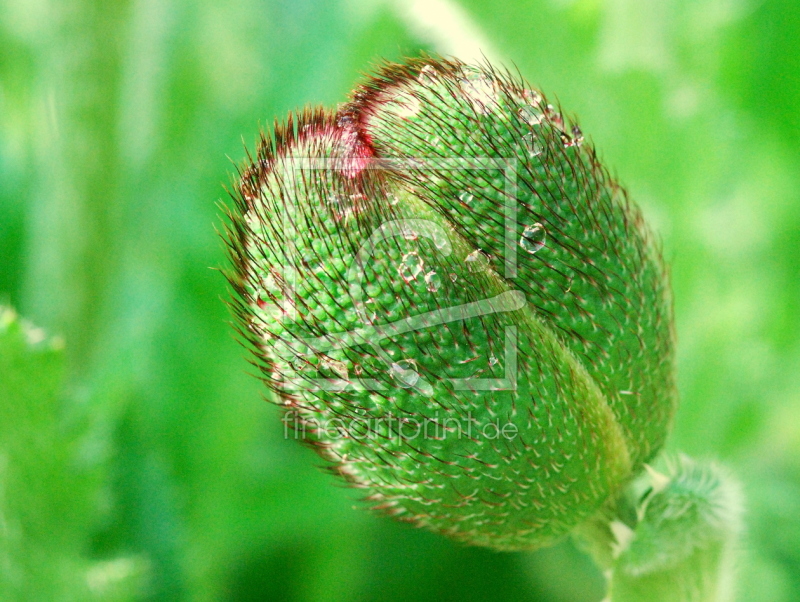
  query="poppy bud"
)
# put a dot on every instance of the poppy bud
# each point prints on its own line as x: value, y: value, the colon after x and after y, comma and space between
x: 456, y: 303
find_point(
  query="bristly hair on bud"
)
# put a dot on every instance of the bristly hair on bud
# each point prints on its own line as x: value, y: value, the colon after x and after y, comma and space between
x: 455, y: 303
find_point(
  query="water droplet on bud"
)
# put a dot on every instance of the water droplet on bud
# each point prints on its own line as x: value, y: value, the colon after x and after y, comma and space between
x: 475, y: 260
x: 404, y: 373
x: 575, y: 140
x: 432, y: 281
x: 533, y: 238
x: 340, y: 368
x: 410, y: 267
x: 531, y: 115
x: 480, y: 90
x: 466, y: 197
x: 440, y: 240
x: 532, y: 96
x: 554, y: 116
x: 532, y: 144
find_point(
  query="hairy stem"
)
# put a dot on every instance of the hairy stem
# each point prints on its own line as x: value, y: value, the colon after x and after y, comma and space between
x: 669, y: 537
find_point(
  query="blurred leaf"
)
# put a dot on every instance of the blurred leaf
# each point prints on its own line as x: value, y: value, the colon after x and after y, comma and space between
x: 46, y: 495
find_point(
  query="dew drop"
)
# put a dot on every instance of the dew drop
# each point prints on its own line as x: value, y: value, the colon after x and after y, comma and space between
x: 480, y: 91
x: 554, y: 116
x: 531, y: 115
x: 404, y: 373
x: 493, y: 361
x: 532, y: 96
x: 532, y: 144
x: 466, y: 197
x: 440, y: 240
x: 410, y: 267
x: 474, y: 260
x: 453, y: 277
x: 533, y: 238
x: 340, y: 368
x: 575, y: 140
x: 432, y: 281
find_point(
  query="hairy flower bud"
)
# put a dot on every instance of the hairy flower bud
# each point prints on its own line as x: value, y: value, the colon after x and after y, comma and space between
x: 456, y: 303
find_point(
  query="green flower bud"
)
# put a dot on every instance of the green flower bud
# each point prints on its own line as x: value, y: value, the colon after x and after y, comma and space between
x: 456, y: 304
x: 683, y: 543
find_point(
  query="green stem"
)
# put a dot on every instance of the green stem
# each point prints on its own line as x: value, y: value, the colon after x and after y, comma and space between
x: 669, y: 537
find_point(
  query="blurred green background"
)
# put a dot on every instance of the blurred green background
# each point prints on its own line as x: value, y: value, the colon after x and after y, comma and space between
x: 159, y: 473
